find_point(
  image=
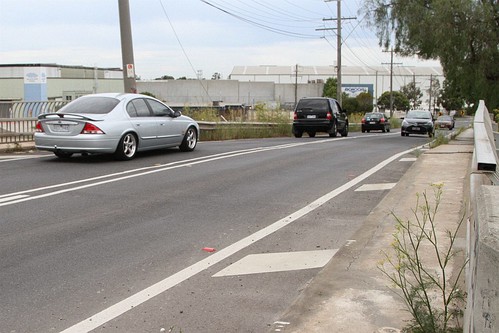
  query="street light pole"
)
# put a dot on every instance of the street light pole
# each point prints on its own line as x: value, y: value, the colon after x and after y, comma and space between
x: 127, y: 47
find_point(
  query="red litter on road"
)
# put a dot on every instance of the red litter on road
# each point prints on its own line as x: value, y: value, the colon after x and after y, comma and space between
x: 208, y: 249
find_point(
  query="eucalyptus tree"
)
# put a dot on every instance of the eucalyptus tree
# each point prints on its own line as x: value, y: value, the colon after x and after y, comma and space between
x: 462, y: 34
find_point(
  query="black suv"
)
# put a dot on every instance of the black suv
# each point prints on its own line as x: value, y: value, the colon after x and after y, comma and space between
x: 319, y: 114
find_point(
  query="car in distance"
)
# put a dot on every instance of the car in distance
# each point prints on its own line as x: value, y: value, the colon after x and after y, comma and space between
x: 417, y: 122
x: 319, y: 114
x: 375, y: 121
x: 445, y: 121
x: 114, y: 123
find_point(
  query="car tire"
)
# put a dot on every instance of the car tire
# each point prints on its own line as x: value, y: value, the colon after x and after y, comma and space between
x: 345, y: 130
x: 363, y: 131
x: 63, y: 154
x: 190, y: 140
x: 333, y: 131
x: 388, y: 129
x: 127, y: 147
x: 311, y: 134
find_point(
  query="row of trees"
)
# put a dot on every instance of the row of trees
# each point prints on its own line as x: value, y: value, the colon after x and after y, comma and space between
x: 409, y: 96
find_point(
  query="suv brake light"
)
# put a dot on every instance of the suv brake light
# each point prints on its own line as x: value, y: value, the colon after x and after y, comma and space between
x: 329, y: 116
x: 91, y: 129
x: 295, y: 116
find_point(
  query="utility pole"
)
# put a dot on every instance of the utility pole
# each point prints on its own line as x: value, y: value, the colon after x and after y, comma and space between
x: 391, y: 81
x: 430, y: 92
x: 127, y: 47
x: 338, y: 46
x: 296, y: 84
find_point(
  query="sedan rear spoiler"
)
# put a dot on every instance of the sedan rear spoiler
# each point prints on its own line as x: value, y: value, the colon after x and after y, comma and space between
x: 68, y: 116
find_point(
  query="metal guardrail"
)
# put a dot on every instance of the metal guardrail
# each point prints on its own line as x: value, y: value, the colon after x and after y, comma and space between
x: 28, y: 109
x: 16, y: 130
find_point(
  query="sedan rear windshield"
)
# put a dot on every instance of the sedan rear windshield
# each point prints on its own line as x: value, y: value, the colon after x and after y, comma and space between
x: 93, y: 105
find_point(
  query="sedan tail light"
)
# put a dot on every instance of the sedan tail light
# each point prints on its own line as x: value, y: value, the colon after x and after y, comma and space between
x: 382, y: 120
x: 91, y: 129
x: 38, y: 127
x: 363, y: 121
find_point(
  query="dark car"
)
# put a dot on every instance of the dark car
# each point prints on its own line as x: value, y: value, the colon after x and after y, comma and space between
x: 445, y: 122
x: 417, y: 122
x: 375, y: 121
x: 319, y: 114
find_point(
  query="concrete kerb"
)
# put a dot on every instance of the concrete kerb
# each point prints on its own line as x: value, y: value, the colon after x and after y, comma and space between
x: 350, y: 294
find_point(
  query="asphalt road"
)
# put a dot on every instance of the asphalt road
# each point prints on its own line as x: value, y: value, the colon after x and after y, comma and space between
x: 94, y: 244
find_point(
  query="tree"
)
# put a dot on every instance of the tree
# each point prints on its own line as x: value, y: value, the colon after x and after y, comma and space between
x: 400, y: 101
x: 365, y: 101
x: 351, y: 104
x: 413, y: 94
x: 450, y: 98
x: 165, y: 77
x: 462, y: 34
x: 330, y: 87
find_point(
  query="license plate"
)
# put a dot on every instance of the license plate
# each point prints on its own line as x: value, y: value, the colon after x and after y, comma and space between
x: 311, y: 116
x: 416, y: 128
x: 372, y: 122
x: 60, y: 128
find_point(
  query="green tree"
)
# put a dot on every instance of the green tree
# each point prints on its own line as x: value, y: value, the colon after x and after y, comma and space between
x: 351, y: 104
x: 330, y: 87
x: 165, y: 77
x: 413, y: 94
x: 365, y: 101
x: 400, y: 101
x: 450, y: 98
x: 462, y: 34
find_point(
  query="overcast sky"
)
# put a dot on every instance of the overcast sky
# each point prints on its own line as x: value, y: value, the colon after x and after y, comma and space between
x: 181, y: 37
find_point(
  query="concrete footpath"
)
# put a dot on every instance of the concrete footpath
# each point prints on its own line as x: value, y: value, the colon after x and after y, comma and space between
x: 351, y: 294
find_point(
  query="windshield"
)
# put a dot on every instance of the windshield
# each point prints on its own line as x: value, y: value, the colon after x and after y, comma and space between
x: 418, y: 115
x: 92, y: 105
x: 315, y: 104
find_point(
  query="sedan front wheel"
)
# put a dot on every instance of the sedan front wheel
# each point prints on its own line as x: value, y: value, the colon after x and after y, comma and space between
x: 190, y: 140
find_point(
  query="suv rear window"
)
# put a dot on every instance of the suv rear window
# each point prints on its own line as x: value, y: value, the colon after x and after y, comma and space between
x: 92, y: 105
x: 315, y: 104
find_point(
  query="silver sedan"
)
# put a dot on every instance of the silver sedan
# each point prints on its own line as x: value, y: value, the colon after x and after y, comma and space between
x: 121, y: 124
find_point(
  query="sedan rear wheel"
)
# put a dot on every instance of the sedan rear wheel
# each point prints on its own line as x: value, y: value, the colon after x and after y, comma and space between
x: 127, y: 147
x: 190, y: 140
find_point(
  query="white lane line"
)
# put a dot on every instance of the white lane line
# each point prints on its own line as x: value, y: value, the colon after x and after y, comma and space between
x: 144, y: 171
x: 15, y: 197
x: 144, y: 295
x: 375, y: 187
x: 278, y: 262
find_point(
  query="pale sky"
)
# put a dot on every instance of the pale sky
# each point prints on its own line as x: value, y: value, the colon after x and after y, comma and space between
x: 181, y: 37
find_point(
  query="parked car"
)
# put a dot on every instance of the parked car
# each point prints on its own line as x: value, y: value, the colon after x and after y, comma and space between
x: 121, y: 124
x: 445, y: 122
x: 319, y: 114
x: 417, y: 122
x: 375, y: 121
